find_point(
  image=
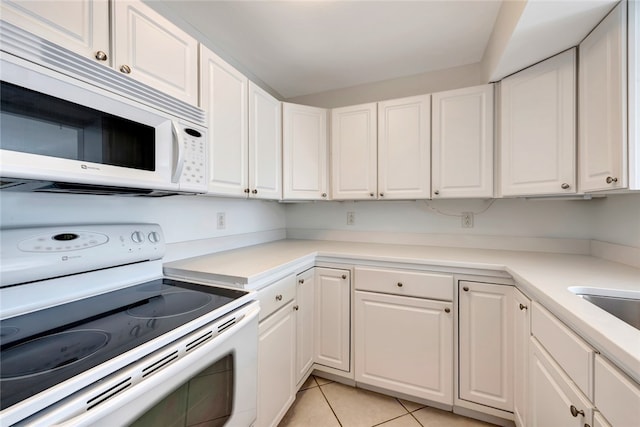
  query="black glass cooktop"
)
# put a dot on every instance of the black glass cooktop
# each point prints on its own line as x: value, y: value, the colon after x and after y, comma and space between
x: 41, y: 349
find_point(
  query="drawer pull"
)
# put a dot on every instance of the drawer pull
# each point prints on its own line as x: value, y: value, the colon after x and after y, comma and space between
x: 399, y: 284
x: 278, y: 297
x: 344, y: 276
x: 447, y: 310
x: 296, y: 308
x: 466, y: 289
x: 523, y: 307
x: 575, y: 412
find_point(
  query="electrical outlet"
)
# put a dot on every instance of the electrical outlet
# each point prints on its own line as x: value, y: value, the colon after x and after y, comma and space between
x: 467, y: 219
x: 351, y: 218
x: 221, y: 221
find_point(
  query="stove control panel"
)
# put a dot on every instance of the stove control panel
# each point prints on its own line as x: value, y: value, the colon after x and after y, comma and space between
x: 38, y: 253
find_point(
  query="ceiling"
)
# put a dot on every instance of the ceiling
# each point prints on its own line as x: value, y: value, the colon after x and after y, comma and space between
x: 310, y: 46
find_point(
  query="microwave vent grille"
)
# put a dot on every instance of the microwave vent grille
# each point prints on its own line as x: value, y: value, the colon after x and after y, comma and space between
x: 25, y: 45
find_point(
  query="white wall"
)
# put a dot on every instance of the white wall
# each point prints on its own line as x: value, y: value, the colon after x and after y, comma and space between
x: 615, y: 219
x: 182, y: 217
x: 434, y: 81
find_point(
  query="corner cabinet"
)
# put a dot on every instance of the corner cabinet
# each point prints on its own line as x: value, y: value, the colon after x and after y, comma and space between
x: 538, y: 128
x: 265, y: 145
x: 486, y: 344
x: 305, y: 320
x: 522, y: 333
x: 354, y: 152
x: 462, y: 143
x: 332, y: 329
x: 305, y: 152
x: 603, y: 104
x: 223, y: 95
x: 404, y: 148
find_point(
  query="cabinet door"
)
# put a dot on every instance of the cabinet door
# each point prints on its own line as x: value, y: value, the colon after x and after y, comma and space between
x: 354, y: 152
x: 265, y: 145
x: 522, y: 332
x: 405, y: 344
x: 404, y: 148
x: 617, y: 396
x: 155, y: 51
x: 537, y: 130
x: 332, y: 318
x: 276, y: 366
x: 305, y: 295
x: 486, y: 344
x: 553, y: 398
x: 603, y: 101
x: 224, y: 98
x: 304, y: 144
x: 81, y: 26
x: 462, y: 145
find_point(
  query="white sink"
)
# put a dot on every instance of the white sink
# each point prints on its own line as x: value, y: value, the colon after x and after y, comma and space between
x: 623, y: 304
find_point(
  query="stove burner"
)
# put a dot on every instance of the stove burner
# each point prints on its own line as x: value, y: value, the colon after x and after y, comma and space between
x: 168, y: 305
x: 50, y: 352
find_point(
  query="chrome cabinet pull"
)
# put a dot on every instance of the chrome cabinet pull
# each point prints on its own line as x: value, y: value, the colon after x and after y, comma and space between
x: 125, y: 69
x: 278, y: 297
x: 101, y: 56
x: 523, y: 307
x: 575, y: 412
x: 611, y: 179
x: 565, y: 186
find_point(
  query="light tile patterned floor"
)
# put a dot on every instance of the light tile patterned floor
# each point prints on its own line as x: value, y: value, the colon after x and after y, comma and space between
x: 324, y: 403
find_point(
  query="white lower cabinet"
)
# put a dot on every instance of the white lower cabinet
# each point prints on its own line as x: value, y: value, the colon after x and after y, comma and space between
x: 554, y: 400
x: 332, y: 318
x: 617, y: 396
x: 304, y: 308
x: 405, y: 344
x: 486, y: 344
x: 522, y: 332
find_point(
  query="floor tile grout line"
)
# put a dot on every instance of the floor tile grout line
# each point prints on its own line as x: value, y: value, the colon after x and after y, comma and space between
x: 414, y: 417
x: 329, y: 403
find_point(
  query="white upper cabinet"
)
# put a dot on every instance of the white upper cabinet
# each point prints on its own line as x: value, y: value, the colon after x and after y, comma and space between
x: 538, y: 128
x: 404, y: 149
x: 304, y: 145
x: 634, y: 94
x: 462, y: 143
x: 265, y: 145
x: 354, y: 152
x: 154, y: 51
x: 603, y: 104
x: 81, y: 26
x: 224, y: 98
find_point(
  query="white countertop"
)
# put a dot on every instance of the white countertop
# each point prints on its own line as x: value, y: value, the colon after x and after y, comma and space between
x: 544, y: 277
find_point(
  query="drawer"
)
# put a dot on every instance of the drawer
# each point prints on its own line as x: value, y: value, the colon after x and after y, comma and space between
x: 569, y: 350
x: 404, y: 282
x: 276, y: 295
x: 617, y: 396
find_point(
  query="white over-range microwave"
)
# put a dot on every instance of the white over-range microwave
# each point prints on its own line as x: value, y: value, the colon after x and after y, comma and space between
x: 68, y: 123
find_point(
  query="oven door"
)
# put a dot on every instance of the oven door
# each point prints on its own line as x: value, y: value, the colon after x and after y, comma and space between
x: 214, y: 384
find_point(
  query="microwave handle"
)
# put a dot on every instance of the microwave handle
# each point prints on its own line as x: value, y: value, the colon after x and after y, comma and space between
x: 179, y: 149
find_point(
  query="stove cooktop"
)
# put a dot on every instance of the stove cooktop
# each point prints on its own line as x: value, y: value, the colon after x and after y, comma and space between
x: 41, y: 349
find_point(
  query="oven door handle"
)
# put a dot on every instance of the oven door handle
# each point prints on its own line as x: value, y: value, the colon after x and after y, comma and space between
x: 124, y: 408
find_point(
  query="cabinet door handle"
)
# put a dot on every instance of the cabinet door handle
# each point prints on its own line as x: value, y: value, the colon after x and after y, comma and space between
x: 381, y: 194
x: 372, y: 195
x: 611, y: 179
x: 399, y: 284
x: 575, y: 412
x: 466, y: 289
x: 278, y: 297
x: 254, y: 191
x: 447, y: 310
x: 324, y: 194
x: 246, y: 190
x: 101, y: 56
x: 344, y: 276
x: 125, y: 69
x: 301, y: 281
x: 523, y: 307
x: 296, y: 308
x: 436, y: 192
x: 565, y: 186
